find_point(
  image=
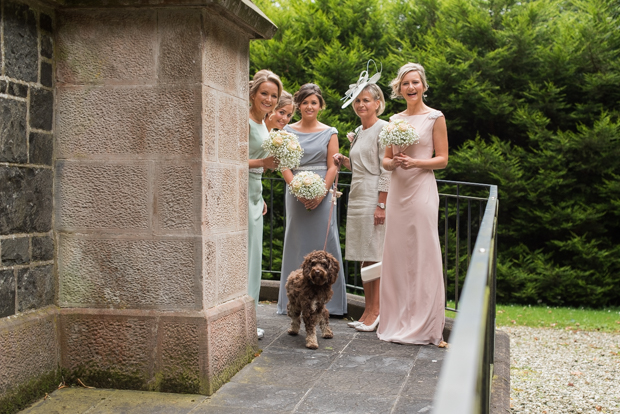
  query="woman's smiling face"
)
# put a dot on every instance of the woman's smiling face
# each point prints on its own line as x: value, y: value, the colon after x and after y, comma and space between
x: 412, y: 87
x: 281, y: 116
x: 266, y: 97
x: 310, y: 107
x: 365, y: 105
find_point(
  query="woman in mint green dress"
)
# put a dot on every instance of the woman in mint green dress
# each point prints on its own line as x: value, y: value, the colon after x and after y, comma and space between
x: 265, y: 90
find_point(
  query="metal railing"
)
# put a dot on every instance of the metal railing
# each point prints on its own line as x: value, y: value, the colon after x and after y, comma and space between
x: 466, y: 376
x: 461, y: 205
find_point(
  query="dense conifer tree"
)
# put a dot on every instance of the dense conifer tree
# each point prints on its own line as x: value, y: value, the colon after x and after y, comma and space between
x: 531, y: 94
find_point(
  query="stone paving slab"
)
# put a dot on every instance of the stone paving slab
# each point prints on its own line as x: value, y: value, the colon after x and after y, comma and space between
x: 352, y: 373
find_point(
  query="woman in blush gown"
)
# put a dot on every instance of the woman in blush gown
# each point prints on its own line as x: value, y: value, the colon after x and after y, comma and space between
x: 306, y: 220
x: 412, y: 289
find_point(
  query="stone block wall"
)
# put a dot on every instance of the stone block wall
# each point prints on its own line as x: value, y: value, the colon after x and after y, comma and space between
x: 29, y: 337
x: 26, y: 155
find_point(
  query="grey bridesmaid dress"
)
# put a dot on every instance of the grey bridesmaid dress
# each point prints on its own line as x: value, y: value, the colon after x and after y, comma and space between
x: 306, y: 230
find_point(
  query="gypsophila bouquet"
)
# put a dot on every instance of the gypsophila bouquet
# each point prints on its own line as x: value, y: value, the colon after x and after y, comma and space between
x: 284, y: 147
x: 398, y: 133
x: 308, y: 185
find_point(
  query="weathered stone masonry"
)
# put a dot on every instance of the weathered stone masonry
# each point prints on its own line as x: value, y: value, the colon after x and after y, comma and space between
x: 123, y: 194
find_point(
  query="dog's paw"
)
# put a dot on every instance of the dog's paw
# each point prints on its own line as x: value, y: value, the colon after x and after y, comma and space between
x: 292, y: 331
x: 312, y: 344
x: 327, y: 334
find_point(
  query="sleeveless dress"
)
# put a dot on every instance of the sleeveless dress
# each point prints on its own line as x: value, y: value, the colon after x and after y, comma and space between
x: 364, y: 239
x: 258, y: 133
x: 305, y: 230
x: 412, y: 289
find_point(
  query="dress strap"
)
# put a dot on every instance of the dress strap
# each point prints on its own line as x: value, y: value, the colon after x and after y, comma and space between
x: 435, y: 114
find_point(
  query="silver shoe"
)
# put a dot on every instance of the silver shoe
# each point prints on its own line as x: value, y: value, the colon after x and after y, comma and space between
x: 260, y: 333
x: 355, y: 324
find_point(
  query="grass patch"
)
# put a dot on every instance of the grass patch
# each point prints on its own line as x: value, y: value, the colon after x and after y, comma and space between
x: 603, y: 320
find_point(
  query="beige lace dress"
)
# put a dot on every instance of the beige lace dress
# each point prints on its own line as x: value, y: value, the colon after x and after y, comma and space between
x: 364, y: 240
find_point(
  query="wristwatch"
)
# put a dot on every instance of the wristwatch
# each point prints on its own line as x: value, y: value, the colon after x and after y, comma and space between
x: 381, y: 206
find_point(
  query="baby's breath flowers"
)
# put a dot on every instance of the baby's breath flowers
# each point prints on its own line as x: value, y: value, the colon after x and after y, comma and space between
x: 284, y: 147
x: 308, y: 185
x: 398, y: 133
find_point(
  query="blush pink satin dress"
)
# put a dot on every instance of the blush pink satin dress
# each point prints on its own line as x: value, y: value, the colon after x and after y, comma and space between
x: 412, y: 288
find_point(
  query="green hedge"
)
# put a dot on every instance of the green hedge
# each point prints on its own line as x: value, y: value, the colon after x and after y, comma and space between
x: 531, y: 94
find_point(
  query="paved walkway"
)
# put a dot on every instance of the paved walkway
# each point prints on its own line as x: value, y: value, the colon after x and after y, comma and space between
x: 352, y: 373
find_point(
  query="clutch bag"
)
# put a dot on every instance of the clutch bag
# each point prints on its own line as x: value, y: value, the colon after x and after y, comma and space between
x: 372, y: 272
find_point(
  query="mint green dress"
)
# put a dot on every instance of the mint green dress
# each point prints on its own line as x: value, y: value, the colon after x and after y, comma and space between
x: 258, y: 133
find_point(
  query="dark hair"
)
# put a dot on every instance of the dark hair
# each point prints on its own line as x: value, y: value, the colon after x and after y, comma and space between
x: 307, y: 90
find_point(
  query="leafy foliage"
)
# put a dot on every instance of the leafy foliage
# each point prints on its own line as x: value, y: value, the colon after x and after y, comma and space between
x: 531, y: 94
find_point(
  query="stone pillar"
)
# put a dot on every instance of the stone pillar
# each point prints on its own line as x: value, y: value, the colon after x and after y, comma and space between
x: 123, y: 194
x: 151, y: 194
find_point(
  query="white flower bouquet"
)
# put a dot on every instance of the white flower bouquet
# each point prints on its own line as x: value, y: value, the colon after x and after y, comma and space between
x: 308, y: 185
x: 284, y: 147
x: 398, y: 133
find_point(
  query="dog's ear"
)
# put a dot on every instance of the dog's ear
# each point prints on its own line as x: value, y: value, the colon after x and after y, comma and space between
x: 334, y: 268
x: 306, y: 266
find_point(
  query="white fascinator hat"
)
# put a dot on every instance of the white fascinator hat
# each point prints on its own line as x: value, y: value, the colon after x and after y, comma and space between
x: 364, y: 79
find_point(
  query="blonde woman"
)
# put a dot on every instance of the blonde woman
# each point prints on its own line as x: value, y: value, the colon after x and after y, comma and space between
x: 265, y: 90
x: 412, y: 288
x: 369, y: 188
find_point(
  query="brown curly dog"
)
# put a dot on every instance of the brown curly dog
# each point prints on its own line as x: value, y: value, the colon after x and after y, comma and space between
x: 308, y: 290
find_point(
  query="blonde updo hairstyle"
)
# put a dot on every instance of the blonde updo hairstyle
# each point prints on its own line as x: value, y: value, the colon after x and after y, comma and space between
x: 261, y: 77
x: 307, y: 90
x: 404, y: 70
x: 377, y: 95
x: 285, y: 99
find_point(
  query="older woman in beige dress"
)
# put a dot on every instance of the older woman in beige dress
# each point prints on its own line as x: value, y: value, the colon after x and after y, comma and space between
x: 369, y: 187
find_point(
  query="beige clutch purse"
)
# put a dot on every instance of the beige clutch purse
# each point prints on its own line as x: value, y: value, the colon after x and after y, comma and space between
x: 372, y: 272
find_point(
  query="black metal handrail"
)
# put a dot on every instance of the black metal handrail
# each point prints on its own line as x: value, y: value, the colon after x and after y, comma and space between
x: 456, y: 208
x: 466, y: 376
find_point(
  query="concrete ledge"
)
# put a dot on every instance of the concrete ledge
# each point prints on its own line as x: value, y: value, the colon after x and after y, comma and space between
x: 269, y: 290
x: 500, y: 389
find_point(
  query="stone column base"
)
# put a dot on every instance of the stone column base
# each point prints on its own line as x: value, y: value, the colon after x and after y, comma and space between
x: 184, y: 352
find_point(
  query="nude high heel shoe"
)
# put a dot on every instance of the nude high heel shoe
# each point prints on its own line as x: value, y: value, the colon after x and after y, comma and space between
x: 368, y: 328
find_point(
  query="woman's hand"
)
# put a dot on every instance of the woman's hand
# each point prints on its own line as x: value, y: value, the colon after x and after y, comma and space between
x: 341, y: 161
x: 264, y: 207
x: 311, y: 204
x: 270, y: 163
x: 404, y: 161
x: 379, y: 216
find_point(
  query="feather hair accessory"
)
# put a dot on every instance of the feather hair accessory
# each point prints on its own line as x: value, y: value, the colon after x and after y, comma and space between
x: 364, y: 79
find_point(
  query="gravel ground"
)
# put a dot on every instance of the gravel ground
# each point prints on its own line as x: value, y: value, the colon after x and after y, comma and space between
x: 559, y: 371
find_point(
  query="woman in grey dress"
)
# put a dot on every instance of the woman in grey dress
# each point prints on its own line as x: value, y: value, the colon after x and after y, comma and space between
x: 306, y: 220
x: 369, y: 186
